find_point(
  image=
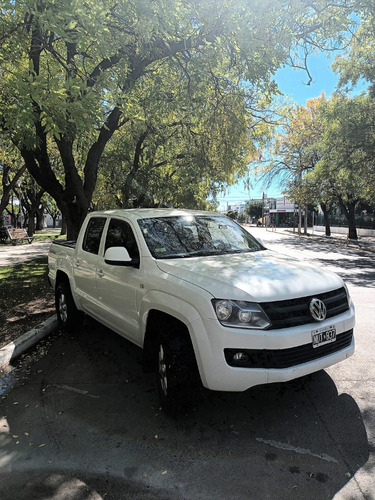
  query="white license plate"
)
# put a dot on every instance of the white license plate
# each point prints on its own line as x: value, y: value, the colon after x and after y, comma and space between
x: 323, y: 336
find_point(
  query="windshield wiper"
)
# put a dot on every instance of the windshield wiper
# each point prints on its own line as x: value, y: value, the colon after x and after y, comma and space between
x: 205, y: 253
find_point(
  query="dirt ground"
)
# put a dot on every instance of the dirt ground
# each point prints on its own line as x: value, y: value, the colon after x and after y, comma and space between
x: 24, y: 317
x: 24, y: 302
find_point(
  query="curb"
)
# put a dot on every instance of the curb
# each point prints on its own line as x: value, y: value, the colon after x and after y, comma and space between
x: 14, y: 349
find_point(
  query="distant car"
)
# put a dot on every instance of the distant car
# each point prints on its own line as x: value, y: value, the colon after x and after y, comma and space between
x: 205, y: 300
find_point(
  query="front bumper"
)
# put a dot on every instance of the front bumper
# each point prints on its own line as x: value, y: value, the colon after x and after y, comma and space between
x: 274, y: 355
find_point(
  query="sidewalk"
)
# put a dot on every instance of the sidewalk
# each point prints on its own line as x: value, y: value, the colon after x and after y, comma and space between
x: 14, y: 254
x: 363, y: 243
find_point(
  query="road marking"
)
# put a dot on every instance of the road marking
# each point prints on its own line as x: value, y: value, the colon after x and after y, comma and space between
x: 73, y: 389
x: 301, y: 451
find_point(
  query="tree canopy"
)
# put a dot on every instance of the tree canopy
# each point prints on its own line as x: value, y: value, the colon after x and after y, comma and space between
x: 325, y: 154
x: 347, y: 147
x: 358, y: 61
x: 72, y: 73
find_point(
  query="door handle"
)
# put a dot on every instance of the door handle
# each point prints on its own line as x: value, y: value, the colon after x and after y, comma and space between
x: 78, y: 263
x: 100, y: 273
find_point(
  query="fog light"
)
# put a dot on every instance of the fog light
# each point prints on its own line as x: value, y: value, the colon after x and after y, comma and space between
x: 241, y: 357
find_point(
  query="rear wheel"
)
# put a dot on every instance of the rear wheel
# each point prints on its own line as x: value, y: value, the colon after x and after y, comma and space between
x: 69, y: 317
x: 177, y: 376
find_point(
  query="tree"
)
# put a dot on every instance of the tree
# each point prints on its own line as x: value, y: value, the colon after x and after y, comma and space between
x: 358, y: 61
x: 31, y: 195
x: 180, y: 150
x: 255, y: 209
x: 347, y: 147
x: 12, y: 168
x: 70, y: 70
x: 296, y: 152
x: 319, y: 191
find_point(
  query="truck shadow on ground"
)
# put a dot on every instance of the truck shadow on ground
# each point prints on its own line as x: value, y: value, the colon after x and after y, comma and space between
x: 300, y: 436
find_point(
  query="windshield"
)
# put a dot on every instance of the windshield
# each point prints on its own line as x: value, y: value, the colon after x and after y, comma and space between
x: 189, y: 236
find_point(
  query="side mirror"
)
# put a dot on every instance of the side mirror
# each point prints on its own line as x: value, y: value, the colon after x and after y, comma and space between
x: 117, y: 256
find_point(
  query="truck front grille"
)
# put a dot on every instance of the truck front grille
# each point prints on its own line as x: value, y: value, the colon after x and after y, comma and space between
x: 294, y: 312
x: 285, y: 358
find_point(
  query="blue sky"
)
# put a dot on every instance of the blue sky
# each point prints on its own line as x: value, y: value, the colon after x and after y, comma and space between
x: 292, y: 83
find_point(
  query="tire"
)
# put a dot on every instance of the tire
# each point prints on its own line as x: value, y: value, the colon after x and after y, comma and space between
x: 177, y: 377
x: 68, y: 316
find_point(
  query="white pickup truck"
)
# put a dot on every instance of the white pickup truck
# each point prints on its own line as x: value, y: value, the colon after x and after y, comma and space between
x: 206, y: 301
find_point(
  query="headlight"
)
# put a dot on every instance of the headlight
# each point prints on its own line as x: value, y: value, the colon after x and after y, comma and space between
x: 240, y: 314
x: 348, y: 295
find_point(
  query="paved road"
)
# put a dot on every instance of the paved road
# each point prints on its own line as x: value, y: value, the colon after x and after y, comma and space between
x: 80, y: 420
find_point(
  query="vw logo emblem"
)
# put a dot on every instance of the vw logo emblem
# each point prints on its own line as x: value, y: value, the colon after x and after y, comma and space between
x: 318, y: 309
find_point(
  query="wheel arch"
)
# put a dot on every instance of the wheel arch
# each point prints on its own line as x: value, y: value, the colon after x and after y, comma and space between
x: 63, y: 277
x: 156, y: 318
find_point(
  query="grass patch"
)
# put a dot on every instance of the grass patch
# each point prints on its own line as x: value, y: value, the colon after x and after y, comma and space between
x: 48, y: 236
x: 22, y: 279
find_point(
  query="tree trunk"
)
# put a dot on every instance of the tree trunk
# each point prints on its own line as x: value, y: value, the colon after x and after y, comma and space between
x: 63, y: 226
x: 39, y: 218
x: 352, y: 234
x: 348, y: 209
x: 326, y: 218
x: 7, y: 186
x: 4, y: 202
x: 74, y: 199
x: 30, y: 224
x: 74, y: 214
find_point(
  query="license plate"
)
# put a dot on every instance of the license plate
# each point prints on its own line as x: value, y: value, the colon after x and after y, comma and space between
x: 323, y: 336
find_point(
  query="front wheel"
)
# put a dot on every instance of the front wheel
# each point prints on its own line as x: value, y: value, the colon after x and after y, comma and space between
x: 177, y: 375
x: 68, y: 316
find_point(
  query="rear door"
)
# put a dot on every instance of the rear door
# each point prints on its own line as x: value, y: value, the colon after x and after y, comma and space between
x: 85, y: 265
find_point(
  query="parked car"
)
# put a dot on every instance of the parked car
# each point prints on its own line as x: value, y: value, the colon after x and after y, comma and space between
x: 203, y: 298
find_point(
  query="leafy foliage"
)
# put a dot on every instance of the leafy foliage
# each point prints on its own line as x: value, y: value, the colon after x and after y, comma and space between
x: 72, y: 74
x: 255, y: 209
x: 348, y: 150
x: 358, y: 61
x: 296, y: 148
x: 324, y: 154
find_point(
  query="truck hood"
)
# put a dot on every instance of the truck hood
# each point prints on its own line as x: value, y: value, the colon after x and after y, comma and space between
x: 260, y: 276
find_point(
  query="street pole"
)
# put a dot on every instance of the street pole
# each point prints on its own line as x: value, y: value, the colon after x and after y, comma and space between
x: 19, y: 183
x: 263, y: 209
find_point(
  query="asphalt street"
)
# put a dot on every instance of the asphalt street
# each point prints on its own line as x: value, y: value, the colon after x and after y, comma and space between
x: 79, y: 419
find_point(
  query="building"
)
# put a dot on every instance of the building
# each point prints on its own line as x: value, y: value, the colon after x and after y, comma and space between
x: 238, y: 207
x: 281, y: 211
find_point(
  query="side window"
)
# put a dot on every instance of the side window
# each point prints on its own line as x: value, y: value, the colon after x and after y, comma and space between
x: 120, y: 234
x: 93, y: 234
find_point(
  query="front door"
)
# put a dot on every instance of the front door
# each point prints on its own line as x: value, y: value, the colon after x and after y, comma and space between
x: 117, y: 286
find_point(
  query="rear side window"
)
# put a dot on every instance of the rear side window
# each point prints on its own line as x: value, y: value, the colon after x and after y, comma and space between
x: 93, y: 234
